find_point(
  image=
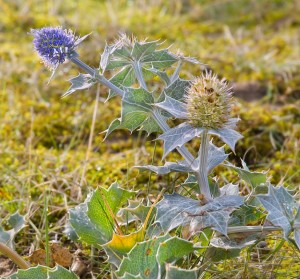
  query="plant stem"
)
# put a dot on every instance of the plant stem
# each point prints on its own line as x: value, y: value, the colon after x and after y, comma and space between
x: 15, y: 257
x: 156, y: 114
x: 245, y: 229
x: 47, y: 250
x: 202, y: 174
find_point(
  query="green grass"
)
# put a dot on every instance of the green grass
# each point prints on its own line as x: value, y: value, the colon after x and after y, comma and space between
x: 43, y: 138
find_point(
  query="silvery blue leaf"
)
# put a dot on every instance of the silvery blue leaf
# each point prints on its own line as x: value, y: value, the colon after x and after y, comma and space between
x: 174, y: 107
x: 297, y: 228
x: 230, y: 190
x: 216, y: 156
x: 167, y: 168
x: 178, y: 136
x: 176, y: 210
x: 228, y: 243
x: 80, y: 82
x: 227, y: 135
x: 280, y: 206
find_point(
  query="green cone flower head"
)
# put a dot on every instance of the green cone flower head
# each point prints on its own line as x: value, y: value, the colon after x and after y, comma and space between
x: 208, y: 102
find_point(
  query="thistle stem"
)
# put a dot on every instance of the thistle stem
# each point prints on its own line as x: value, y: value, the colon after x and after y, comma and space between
x: 202, y: 174
x: 156, y: 114
x: 15, y: 257
x: 246, y: 229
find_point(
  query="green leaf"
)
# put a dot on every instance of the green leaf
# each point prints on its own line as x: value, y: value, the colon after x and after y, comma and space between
x: 83, y: 226
x: 281, y: 207
x: 173, y: 249
x: 141, y: 260
x: 124, y: 77
x: 173, y: 272
x: 218, y: 254
x: 115, y: 124
x: 247, y: 213
x: 159, y: 59
x: 102, y: 204
x: 176, y: 210
x: 43, y: 272
x: 176, y: 90
x: 178, y: 136
x: 139, y: 210
x: 150, y: 125
x: 80, y: 82
x: 142, y: 50
x: 254, y: 179
x: 17, y: 223
x: 136, y: 110
x: 40, y: 272
x: 59, y: 272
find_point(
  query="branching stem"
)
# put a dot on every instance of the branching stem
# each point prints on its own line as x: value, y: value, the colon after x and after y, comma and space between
x: 156, y: 114
x: 203, y: 160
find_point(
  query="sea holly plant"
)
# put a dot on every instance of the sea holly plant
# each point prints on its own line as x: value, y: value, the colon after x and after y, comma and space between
x: 177, y: 233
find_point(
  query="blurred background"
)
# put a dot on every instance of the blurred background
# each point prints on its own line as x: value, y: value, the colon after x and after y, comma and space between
x: 255, y: 44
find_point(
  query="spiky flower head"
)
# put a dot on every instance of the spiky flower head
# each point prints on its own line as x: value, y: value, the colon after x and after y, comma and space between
x: 208, y: 102
x: 54, y: 45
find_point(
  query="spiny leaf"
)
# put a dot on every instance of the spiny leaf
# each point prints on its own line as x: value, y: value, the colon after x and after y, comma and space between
x: 161, y: 74
x: 83, y: 226
x: 136, y: 108
x: 124, y: 243
x: 102, y: 207
x: 175, y: 210
x: 173, y: 272
x: 115, y: 124
x: 216, y: 156
x: 237, y: 241
x: 230, y: 190
x: 159, y: 59
x: 80, y: 82
x: 43, y: 272
x: 17, y: 223
x: 173, y: 249
x: 281, y: 207
x: 252, y: 178
x: 174, y: 107
x: 140, y: 50
x: 297, y: 228
x: 168, y: 167
x: 178, y: 136
x: 227, y: 135
x: 141, y: 260
x: 176, y: 90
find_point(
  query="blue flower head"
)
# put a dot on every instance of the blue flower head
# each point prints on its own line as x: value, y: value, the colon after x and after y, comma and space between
x: 54, y: 45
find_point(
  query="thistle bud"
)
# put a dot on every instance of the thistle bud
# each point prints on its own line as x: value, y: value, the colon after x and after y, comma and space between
x: 53, y: 44
x: 208, y: 102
